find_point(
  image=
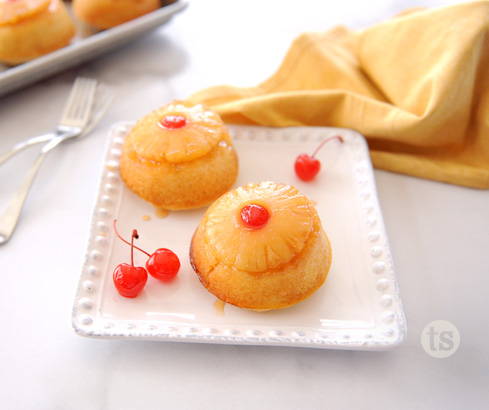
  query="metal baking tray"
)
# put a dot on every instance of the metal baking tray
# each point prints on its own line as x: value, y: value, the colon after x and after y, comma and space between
x: 86, y: 45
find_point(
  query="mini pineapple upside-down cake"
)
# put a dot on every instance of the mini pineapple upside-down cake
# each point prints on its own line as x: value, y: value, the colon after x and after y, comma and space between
x: 180, y: 156
x: 32, y: 28
x: 105, y: 14
x: 261, y: 247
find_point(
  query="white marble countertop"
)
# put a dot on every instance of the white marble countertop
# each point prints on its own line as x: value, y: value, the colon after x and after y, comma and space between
x: 439, y: 236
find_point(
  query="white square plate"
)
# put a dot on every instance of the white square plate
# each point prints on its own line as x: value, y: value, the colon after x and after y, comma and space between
x: 358, y: 307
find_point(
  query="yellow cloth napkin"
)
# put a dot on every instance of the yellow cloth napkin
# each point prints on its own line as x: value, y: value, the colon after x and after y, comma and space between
x: 417, y: 86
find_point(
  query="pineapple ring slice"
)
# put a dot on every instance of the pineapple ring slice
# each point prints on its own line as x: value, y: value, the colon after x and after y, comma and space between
x: 258, y: 250
x: 203, y: 130
x: 13, y: 11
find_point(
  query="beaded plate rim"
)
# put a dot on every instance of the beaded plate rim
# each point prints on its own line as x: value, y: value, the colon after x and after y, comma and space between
x: 390, y: 329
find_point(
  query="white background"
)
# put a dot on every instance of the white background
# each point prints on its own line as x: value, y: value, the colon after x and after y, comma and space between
x: 439, y: 236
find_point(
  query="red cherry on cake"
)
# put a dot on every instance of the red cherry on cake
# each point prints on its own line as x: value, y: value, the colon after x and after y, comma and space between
x: 173, y: 122
x: 162, y: 264
x: 129, y: 280
x: 254, y: 216
x: 308, y: 166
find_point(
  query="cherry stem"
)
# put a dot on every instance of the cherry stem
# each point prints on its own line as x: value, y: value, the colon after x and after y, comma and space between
x: 127, y: 242
x: 133, y: 236
x: 325, y: 141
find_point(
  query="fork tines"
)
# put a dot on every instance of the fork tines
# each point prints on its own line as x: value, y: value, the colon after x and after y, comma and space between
x: 78, y: 108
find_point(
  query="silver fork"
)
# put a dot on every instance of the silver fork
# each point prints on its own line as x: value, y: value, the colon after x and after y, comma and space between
x: 75, y: 118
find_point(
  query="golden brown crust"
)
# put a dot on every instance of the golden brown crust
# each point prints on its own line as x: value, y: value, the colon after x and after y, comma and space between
x: 36, y: 35
x: 181, y: 186
x: 279, y: 289
x: 110, y: 13
x: 12, y: 12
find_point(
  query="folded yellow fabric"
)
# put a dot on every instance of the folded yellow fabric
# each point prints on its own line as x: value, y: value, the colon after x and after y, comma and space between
x: 416, y: 86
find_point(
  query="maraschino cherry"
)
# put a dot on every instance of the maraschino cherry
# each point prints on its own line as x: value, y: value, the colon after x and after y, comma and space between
x: 308, y: 166
x: 129, y: 280
x: 254, y: 216
x: 173, y: 122
x: 163, y: 264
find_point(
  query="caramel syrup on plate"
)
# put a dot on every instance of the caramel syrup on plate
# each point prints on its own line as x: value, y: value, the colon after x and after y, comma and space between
x: 161, y: 213
x: 219, y: 307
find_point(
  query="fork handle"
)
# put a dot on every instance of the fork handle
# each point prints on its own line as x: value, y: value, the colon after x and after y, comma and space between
x: 10, y: 217
x: 23, y: 145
